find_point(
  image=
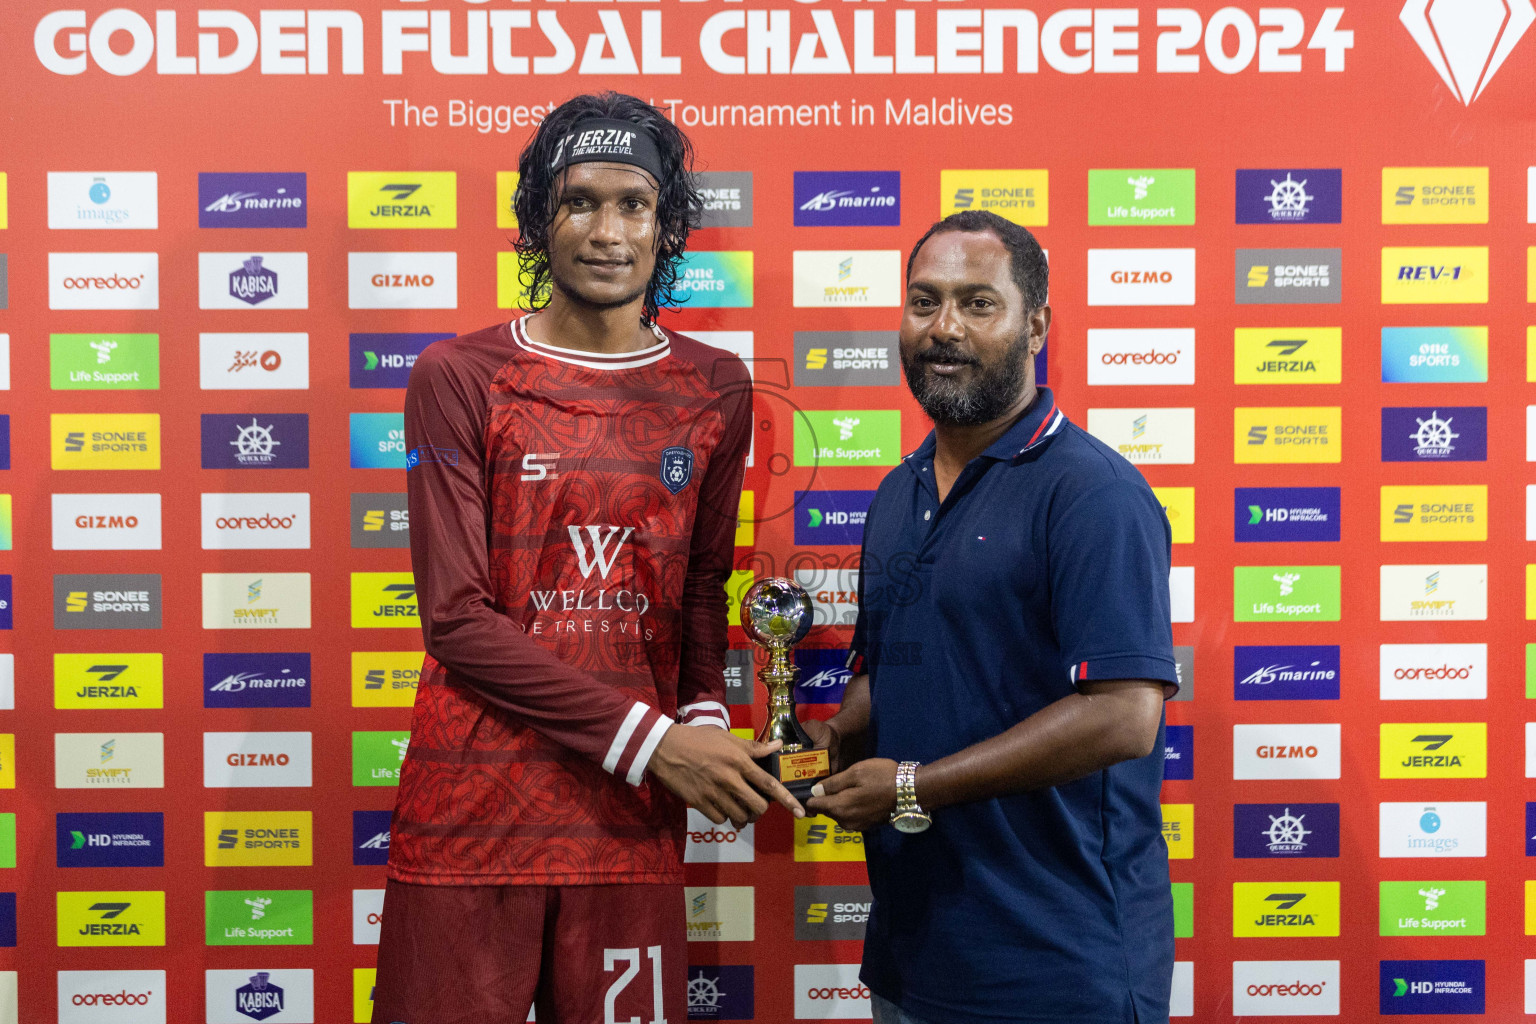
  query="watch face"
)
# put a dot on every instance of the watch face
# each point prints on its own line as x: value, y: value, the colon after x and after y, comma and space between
x: 911, y: 823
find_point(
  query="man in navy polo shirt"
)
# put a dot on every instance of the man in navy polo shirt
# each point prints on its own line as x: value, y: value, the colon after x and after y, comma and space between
x: 1008, y: 786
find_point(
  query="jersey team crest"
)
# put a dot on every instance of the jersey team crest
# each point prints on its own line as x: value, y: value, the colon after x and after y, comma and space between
x: 676, y: 468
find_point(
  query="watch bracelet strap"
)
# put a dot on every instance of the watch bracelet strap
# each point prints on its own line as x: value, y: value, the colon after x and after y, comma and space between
x: 906, y: 787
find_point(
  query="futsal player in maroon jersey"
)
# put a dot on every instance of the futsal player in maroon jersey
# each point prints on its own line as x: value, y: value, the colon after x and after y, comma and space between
x: 574, y: 478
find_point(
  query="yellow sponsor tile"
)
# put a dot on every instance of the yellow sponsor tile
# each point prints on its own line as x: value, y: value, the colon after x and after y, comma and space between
x: 735, y: 589
x: 402, y: 199
x: 1530, y: 591
x: 746, y: 526
x: 1179, y: 505
x: 363, y: 980
x: 7, y: 760
x: 1179, y: 830
x: 1288, y: 355
x: 4, y: 202
x: 1434, y: 195
x: 385, y: 679
x: 1530, y: 355
x: 1530, y: 907
x: 382, y: 600
x: 1022, y: 196
x: 108, y: 681
x: 1434, y: 513
x: 1285, y: 909
x: 1434, y: 274
x: 258, y: 839
x: 819, y: 838
x: 1309, y: 434
x: 104, y: 440
x: 511, y: 293
x: 124, y: 918
x: 1434, y: 750
x: 506, y: 189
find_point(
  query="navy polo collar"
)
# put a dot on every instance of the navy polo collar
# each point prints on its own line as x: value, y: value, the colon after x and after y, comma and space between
x: 1040, y: 422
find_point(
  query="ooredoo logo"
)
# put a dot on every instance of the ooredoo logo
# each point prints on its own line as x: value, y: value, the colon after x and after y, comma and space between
x: 111, y: 997
x: 103, y: 280
x: 252, y: 521
x: 830, y: 992
x: 1141, y: 356
x: 1267, y: 988
x: 708, y: 843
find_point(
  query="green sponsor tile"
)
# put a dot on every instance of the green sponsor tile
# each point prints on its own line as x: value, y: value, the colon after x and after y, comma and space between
x: 260, y: 917
x: 855, y: 437
x: 1530, y: 671
x: 376, y: 757
x: 104, y: 362
x: 7, y: 840
x: 1434, y: 908
x: 1259, y: 593
x: 1183, y: 910
x: 1141, y: 195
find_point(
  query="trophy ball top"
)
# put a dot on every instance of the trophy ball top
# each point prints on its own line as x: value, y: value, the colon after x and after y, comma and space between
x: 776, y: 612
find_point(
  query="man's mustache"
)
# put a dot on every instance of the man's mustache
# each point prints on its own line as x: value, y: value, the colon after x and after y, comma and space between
x: 945, y: 354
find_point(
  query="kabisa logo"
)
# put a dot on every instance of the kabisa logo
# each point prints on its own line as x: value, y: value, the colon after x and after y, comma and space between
x: 823, y: 675
x: 1440, y: 829
x: 1300, y: 909
x: 1441, y: 434
x: 1287, y: 355
x: 111, y: 840
x: 385, y: 360
x: 246, y: 280
x: 1285, y: 830
x: 1444, y: 274
x: 1289, y: 276
x: 1290, y: 196
x: 1179, y: 752
x: 384, y: 599
x: 380, y: 521
x: 1286, y: 673
x: 720, y: 992
x: 378, y: 440
x: 111, y: 918
x: 1286, y: 514
x: 411, y: 199
x: 259, y: 998
x: 1438, y: 355
x: 1434, y: 195
x: 252, y: 283
x: 727, y: 199
x: 255, y: 441
x: 370, y: 837
x: 103, y: 200
x: 1432, y: 986
x: 1466, y: 60
x: 1141, y: 196
x: 252, y: 200
x: 1434, y: 750
x: 831, y: 517
x: 847, y: 198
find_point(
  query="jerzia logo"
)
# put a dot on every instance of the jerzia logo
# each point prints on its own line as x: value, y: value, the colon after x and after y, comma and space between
x: 1466, y: 60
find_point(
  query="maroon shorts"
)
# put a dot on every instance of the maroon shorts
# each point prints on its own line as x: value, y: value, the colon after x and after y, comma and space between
x: 578, y: 954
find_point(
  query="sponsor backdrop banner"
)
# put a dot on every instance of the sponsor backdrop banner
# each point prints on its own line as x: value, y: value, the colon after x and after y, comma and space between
x: 1293, y: 261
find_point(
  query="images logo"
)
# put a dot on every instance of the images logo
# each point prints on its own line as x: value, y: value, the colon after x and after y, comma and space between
x: 108, y: 681
x: 1434, y: 195
x: 1413, y: 592
x: 1440, y: 829
x: 245, y: 280
x: 104, y: 362
x: 1434, y: 274
x: 1285, y: 673
x: 117, y: 200
x: 866, y: 277
x: 1434, y: 671
x: 1455, y: 750
x: 274, y: 600
x: 254, y: 200
x: 727, y: 199
x: 111, y: 918
x: 385, y: 360
x: 378, y: 440
x: 1288, y: 355
x: 1290, y: 196
x: 1179, y: 752
x: 385, y: 679
x: 255, y: 441
x: 1141, y: 277
x: 1159, y: 196
x: 370, y: 837
x: 846, y: 358
x: 714, y: 280
x: 1440, y: 513
x: 1299, y: 909
x: 1433, y: 908
x: 269, y: 917
x: 258, y: 838
x: 406, y: 199
x: 377, y: 757
x: 1444, y: 434
x: 864, y: 437
x: 1465, y: 61
x: 402, y: 280
x: 105, y: 440
x: 1285, y: 593
x: 384, y: 599
x: 1286, y: 514
x: 831, y: 517
x: 1440, y: 355
x: 1432, y: 986
x: 111, y: 840
x: 847, y: 198
x: 1020, y: 196
x: 1285, y: 751
x: 1262, y: 831
x: 1135, y: 356
x: 1145, y: 435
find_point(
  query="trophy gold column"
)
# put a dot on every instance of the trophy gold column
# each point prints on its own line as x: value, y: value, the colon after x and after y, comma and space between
x: 776, y: 614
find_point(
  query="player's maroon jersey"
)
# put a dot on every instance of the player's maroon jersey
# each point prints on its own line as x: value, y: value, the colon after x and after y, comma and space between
x: 573, y: 518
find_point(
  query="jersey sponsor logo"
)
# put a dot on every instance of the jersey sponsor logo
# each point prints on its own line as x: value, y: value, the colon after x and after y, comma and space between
x: 1432, y: 986
x: 1141, y: 277
x: 370, y: 837
x: 1440, y: 434
x: 715, y: 280
x: 95, y: 601
x: 1434, y: 195
x: 384, y: 600
x: 367, y: 916
x: 1285, y: 988
x: 847, y: 277
x: 256, y: 680
x: 104, y: 440
x: 1288, y: 355
x: 104, y: 362
x: 1286, y: 514
x: 385, y: 679
x: 1134, y: 356
x: 115, y: 760
x: 1179, y: 752
x: 1415, y: 592
x: 1434, y: 750
x: 1286, y: 673
x: 377, y: 757
x: 234, y: 362
x: 1286, y: 593
x: 108, y: 997
x: 108, y: 681
x: 402, y: 280
x: 1310, y: 434
x: 727, y: 199
x: 1179, y: 830
x: 385, y: 360
x: 1262, y: 831
x: 708, y: 843
x: 405, y: 199
x: 274, y: 600
x: 1285, y: 751
x: 255, y: 521
x: 428, y: 454
x: 257, y: 838
x: 240, y: 759
x: 847, y: 198
x: 721, y: 913
x: 1147, y: 436
x: 263, y: 917
x: 676, y: 470
x: 1438, y: 513
x: 830, y: 992
x: 1434, y: 671
x: 245, y: 280
x: 111, y: 918
x: 846, y: 358
x: 1433, y: 908
x: 380, y: 521
x: 1295, y: 909
x: 1267, y: 276
x: 1443, y: 355
x: 106, y: 522
x: 1289, y: 195
x: 1022, y: 196
x: 1141, y: 196
x: 270, y: 199
x: 828, y: 912
x: 103, y: 201
x: 858, y: 437
x: 1440, y: 829
x: 378, y: 441
x: 110, y: 840
x: 245, y: 995
x: 1446, y: 274
x: 818, y: 838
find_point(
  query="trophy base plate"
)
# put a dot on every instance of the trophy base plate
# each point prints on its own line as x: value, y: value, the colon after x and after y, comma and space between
x: 798, y: 770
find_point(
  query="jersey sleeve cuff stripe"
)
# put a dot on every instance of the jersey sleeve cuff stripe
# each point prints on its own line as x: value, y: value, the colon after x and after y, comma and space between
x: 621, y: 738
x: 643, y: 755
x: 719, y: 723
x: 698, y: 706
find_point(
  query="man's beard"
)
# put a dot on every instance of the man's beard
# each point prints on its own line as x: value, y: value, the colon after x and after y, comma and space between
x: 563, y: 285
x: 990, y: 393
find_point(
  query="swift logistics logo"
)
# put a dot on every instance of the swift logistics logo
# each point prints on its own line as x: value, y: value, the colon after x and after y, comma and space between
x: 104, y: 440
x: 1466, y: 59
x: 104, y: 362
x: 274, y: 600
x: 108, y: 681
x: 1141, y: 277
x: 1021, y: 196
x: 831, y: 517
x: 1290, y: 196
x: 1263, y: 514
x: 108, y: 760
x: 274, y: 440
x: 256, y: 680
x: 385, y: 360
x: 847, y: 198
x: 259, y: 199
x: 1434, y: 355
x: 261, y: 917
x: 385, y: 679
x: 384, y: 600
x: 721, y: 913
x: 1433, y: 908
x: 1414, y: 592
x: 1286, y: 751
x: 857, y: 437
x: 847, y: 277
x: 380, y: 521
x: 111, y: 918
x: 1434, y: 274
x: 377, y: 757
x: 1287, y: 434
x: 110, y: 840
x: 1432, y: 986
x: 1268, y: 276
x: 1284, y: 831
x: 1439, y: 829
x: 377, y: 440
x: 1287, y: 355
x: 715, y: 280
x: 246, y: 280
x: 1434, y: 750
x: 1434, y: 513
x: 258, y: 838
x: 1285, y: 593
x: 1434, y: 195
x: 1285, y: 909
x: 846, y: 358
x: 403, y: 199
x: 1147, y: 435
x: 1286, y: 673
x: 1453, y: 433
x: 241, y: 996
x: 96, y: 601
x: 1141, y: 196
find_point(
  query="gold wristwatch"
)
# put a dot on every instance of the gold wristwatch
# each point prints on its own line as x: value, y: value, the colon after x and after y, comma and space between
x: 908, y: 816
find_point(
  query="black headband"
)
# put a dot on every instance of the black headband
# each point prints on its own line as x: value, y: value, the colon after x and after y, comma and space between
x: 611, y: 141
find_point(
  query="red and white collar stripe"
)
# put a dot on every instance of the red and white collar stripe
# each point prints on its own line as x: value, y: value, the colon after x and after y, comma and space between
x: 593, y: 360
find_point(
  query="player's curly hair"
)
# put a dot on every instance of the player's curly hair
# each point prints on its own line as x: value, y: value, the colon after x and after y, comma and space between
x: 679, y: 207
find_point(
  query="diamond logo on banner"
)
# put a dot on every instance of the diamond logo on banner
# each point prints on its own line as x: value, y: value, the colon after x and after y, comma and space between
x: 1467, y: 40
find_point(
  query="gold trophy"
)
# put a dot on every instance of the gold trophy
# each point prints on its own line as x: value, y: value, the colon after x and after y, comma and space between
x: 776, y: 614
